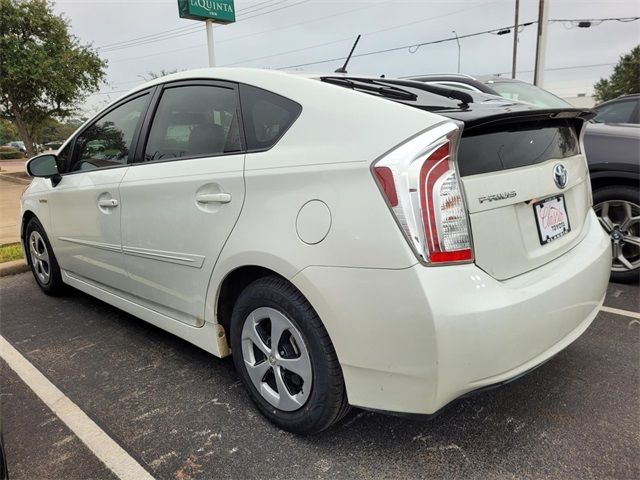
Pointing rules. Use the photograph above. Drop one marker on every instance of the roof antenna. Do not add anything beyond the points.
(343, 69)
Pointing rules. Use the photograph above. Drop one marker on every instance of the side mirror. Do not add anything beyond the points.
(43, 166)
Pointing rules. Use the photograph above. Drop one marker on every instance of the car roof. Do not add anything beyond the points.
(621, 97)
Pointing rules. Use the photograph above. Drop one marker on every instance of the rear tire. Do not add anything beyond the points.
(618, 209)
(297, 384)
(42, 260)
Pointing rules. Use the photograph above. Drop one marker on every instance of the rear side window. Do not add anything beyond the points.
(266, 116)
(617, 112)
(525, 145)
(194, 121)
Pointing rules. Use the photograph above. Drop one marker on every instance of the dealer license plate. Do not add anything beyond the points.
(551, 218)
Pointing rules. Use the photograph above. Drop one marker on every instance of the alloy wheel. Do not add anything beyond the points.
(39, 257)
(621, 220)
(276, 358)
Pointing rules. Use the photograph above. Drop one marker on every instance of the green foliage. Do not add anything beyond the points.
(624, 80)
(8, 131)
(9, 252)
(51, 130)
(46, 72)
(13, 154)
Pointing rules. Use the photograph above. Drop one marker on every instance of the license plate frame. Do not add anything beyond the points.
(552, 219)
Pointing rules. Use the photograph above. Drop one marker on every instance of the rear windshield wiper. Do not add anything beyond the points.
(454, 93)
(387, 91)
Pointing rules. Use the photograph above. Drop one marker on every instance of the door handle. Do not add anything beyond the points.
(108, 203)
(213, 197)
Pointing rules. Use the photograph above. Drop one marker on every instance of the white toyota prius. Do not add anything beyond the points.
(381, 243)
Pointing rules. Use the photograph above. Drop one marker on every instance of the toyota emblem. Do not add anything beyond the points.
(560, 175)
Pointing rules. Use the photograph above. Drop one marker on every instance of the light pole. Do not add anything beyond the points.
(515, 41)
(458, 41)
(541, 43)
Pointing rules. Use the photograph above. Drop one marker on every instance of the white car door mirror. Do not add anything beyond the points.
(43, 166)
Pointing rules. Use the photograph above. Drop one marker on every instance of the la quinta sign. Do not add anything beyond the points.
(219, 11)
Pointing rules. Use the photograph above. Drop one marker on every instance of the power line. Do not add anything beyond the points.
(412, 47)
(351, 37)
(183, 28)
(192, 29)
(279, 29)
(415, 46)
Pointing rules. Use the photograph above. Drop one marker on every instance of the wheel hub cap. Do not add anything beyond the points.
(276, 359)
(39, 257)
(621, 220)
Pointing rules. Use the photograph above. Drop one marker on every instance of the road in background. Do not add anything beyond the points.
(182, 413)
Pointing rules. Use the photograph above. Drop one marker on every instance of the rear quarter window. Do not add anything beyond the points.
(266, 116)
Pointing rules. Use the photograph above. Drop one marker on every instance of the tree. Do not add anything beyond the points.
(8, 131)
(624, 80)
(161, 73)
(44, 70)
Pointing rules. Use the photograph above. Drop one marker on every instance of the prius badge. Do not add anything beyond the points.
(560, 175)
(492, 197)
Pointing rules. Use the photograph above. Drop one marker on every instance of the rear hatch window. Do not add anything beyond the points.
(528, 143)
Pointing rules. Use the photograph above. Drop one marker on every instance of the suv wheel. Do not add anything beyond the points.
(285, 359)
(42, 261)
(618, 210)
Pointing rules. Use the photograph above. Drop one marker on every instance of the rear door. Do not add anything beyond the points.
(182, 198)
(528, 193)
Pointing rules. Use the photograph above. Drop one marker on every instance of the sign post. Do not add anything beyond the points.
(212, 53)
(211, 11)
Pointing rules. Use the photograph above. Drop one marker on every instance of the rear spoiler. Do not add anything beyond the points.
(509, 116)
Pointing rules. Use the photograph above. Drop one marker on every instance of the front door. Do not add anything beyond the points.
(179, 204)
(86, 205)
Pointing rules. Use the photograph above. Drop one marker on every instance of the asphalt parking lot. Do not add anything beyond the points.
(182, 413)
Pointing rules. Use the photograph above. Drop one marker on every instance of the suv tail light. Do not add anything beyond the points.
(420, 182)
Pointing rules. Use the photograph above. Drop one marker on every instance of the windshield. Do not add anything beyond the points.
(524, 92)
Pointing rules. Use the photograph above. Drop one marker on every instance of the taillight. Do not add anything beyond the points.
(421, 185)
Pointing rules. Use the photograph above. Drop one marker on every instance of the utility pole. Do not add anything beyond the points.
(541, 44)
(457, 40)
(515, 41)
(212, 54)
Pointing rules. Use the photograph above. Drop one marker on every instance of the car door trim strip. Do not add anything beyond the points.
(88, 243)
(186, 259)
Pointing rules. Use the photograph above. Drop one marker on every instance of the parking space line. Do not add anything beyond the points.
(101, 445)
(617, 311)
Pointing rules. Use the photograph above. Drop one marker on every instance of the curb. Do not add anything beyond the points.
(13, 268)
(12, 179)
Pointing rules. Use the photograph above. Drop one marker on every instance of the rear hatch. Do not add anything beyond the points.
(527, 189)
(522, 170)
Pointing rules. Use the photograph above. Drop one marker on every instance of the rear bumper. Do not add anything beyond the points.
(412, 340)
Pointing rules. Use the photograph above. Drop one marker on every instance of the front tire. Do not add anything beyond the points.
(42, 260)
(285, 358)
(618, 210)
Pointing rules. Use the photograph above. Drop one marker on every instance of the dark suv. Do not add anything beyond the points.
(621, 110)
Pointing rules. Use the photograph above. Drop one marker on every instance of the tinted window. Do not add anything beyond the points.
(266, 116)
(524, 92)
(461, 86)
(107, 143)
(194, 121)
(62, 158)
(527, 145)
(617, 112)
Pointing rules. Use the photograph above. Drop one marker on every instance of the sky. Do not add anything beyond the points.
(142, 36)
